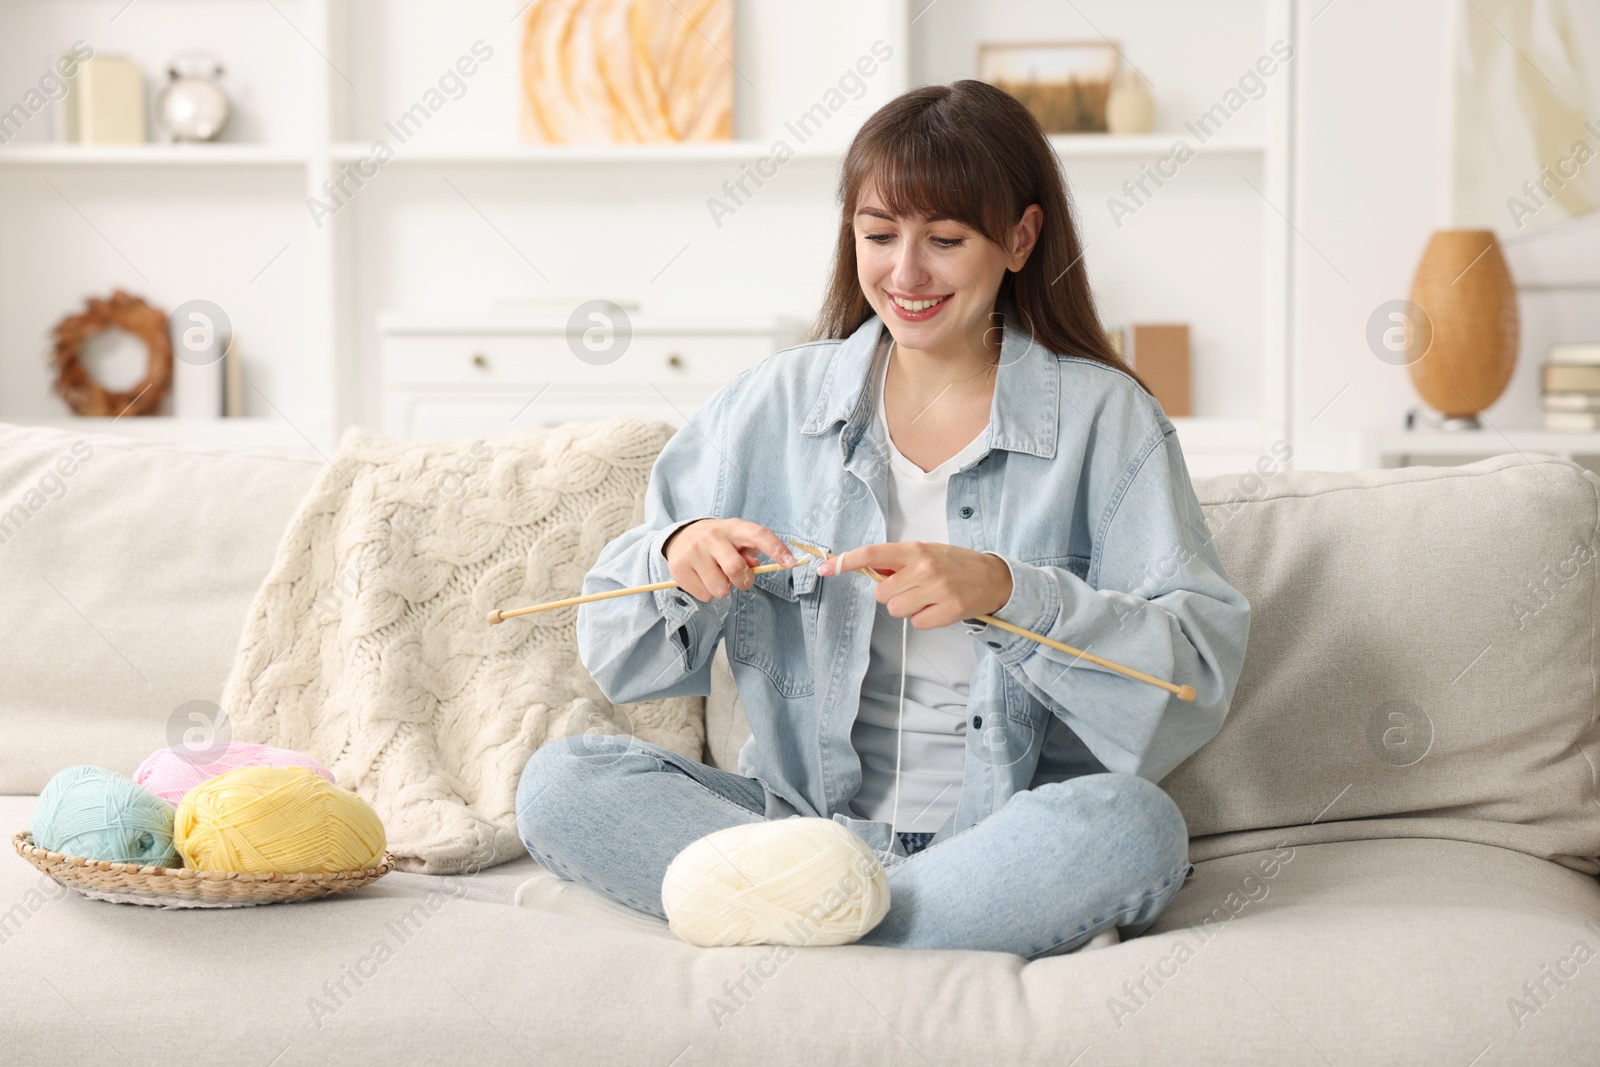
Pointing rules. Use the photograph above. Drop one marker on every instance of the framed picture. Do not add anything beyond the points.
(627, 71)
(1063, 83)
(1526, 115)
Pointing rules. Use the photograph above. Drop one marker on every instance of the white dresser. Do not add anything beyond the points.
(461, 376)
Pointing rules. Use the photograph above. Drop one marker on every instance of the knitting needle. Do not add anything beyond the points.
(499, 615)
(1182, 692)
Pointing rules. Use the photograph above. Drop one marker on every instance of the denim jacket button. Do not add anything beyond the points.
(966, 513)
(977, 722)
(992, 644)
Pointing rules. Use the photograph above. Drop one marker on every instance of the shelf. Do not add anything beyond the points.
(204, 155)
(1149, 144)
(673, 152)
(1487, 441)
(1387, 447)
(1070, 145)
(254, 434)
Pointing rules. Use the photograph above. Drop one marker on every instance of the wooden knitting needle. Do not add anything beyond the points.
(499, 615)
(1182, 692)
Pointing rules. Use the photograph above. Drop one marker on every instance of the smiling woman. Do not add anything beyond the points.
(959, 424)
(974, 166)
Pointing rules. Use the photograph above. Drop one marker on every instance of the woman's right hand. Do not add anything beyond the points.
(709, 558)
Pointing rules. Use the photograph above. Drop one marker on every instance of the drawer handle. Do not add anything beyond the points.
(480, 361)
(675, 361)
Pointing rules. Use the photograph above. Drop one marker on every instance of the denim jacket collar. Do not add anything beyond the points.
(1027, 395)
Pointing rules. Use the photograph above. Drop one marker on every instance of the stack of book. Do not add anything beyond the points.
(1571, 387)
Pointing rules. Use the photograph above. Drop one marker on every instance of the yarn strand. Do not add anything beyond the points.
(900, 724)
(900, 710)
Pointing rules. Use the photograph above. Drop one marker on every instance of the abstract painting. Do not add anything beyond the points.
(627, 71)
(1527, 114)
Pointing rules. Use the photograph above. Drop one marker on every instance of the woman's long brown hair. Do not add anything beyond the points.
(971, 152)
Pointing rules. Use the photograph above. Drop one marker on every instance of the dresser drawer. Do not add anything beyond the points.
(507, 359)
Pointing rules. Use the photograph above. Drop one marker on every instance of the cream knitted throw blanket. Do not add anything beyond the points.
(367, 646)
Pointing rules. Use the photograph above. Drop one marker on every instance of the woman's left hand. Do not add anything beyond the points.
(931, 584)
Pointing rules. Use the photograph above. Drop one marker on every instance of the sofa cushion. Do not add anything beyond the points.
(1421, 661)
(1362, 952)
(127, 568)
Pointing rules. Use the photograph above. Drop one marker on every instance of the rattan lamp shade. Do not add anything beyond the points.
(1465, 288)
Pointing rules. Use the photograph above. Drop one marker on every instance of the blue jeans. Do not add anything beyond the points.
(1052, 868)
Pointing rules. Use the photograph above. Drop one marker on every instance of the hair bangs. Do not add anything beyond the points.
(917, 175)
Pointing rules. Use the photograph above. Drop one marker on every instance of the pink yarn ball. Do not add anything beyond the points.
(170, 774)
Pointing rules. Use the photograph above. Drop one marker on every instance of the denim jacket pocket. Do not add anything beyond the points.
(779, 612)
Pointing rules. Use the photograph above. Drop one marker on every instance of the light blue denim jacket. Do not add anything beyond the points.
(1081, 489)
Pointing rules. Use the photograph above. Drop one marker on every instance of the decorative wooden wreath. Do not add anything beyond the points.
(77, 387)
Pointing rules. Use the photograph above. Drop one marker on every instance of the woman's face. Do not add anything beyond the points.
(948, 273)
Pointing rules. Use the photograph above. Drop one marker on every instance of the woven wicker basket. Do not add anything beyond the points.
(184, 887)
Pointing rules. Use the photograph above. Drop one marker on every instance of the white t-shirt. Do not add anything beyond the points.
(938, 671)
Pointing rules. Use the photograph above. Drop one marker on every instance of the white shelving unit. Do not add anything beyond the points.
(160, 155)
(541, 155)
(464, 218)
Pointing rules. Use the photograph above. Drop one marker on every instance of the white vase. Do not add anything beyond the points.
(1130, 108)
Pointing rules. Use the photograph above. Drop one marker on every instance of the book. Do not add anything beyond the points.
(1574, 353)
(232, 380)
(1572, 420)
(1570, 377)
(196, 389)
(1160, 355)
(65, 110)
(1572, 401)
(110, 97)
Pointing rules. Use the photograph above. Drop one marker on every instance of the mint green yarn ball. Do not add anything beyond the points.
(100, 815)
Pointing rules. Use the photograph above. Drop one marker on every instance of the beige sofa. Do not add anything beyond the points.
(1396, 832)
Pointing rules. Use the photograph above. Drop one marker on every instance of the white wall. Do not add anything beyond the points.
(1370, 169)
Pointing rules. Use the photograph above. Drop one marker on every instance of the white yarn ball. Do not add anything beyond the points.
(794, 881)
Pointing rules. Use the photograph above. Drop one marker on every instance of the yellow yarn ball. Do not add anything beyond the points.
(276, 820)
